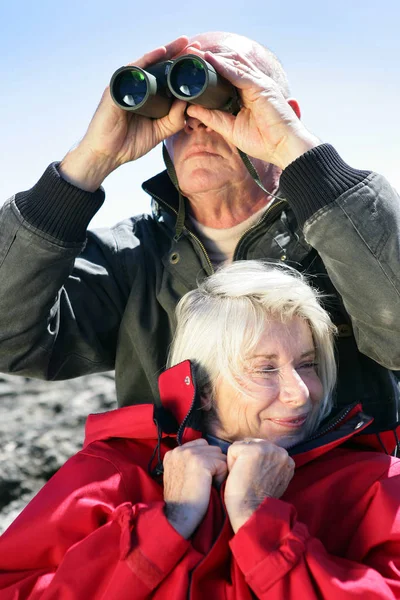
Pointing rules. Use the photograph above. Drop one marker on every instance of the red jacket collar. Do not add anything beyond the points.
(348, 424)
(176, 417)
(179, 397)
(180, 417)
(131, 422)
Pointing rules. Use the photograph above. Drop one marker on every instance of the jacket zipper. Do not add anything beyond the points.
(273, 206)
(262, 221)
(331, 425)
(183, 424)
(189, 232)
(203, 249)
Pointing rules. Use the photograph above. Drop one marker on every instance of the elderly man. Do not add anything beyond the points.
(75, 302)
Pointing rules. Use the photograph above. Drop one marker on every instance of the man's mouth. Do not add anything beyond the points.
(199, 152)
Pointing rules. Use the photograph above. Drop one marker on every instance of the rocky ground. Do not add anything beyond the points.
(41, 425)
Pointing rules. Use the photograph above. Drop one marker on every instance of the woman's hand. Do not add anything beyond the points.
(189, 471)
(257, 470)
(266, 126)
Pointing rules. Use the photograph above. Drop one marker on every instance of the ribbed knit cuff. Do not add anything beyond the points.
(58, 208)
(316, 179)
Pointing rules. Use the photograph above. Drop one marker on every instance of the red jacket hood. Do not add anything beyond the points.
(178, 417)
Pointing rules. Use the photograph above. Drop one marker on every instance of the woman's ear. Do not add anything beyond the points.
(206, 397)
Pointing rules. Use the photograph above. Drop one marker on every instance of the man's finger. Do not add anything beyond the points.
(171, 123)
(177, 46)
(241, 74)
(219, 121)
(161, 53)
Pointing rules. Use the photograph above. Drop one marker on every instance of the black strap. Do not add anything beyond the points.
(254, 173)
(180, 221)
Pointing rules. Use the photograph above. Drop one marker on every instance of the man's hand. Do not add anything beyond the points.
(257, 470)
(266, 126)
(116, 136)
(189, 471)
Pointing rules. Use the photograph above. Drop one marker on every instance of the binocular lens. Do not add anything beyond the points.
(188, 77)
(150, 92)
(130, 88)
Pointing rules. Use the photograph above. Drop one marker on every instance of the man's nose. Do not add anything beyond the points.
(193, 125)
(293, 390)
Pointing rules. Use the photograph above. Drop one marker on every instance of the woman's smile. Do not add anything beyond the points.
(289, 423)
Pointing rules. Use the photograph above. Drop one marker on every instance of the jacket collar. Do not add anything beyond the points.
(163, 191)
(179, 397)
(129, 422)
(348, 424)
(338, 430)
(180, 416)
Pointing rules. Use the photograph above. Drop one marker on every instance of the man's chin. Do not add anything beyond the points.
(201, 181)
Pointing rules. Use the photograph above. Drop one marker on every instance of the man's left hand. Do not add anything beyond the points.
(266, 126)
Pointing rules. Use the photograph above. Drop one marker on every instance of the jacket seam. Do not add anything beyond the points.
(85, 358)
(106, 460)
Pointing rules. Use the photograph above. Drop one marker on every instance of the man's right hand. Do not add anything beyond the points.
(189, 471)
(116, 136)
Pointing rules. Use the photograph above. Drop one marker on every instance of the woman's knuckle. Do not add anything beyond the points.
(282, 453)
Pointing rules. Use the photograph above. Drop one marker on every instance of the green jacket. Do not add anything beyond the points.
(74, 302)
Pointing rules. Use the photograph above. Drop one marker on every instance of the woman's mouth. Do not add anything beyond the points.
(293, 423)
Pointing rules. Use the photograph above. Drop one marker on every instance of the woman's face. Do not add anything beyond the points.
(281, 392)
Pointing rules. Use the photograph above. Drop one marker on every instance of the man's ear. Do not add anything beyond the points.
(295, 106)
(206, 397)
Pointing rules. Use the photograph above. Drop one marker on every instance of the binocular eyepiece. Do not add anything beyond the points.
(151, 92)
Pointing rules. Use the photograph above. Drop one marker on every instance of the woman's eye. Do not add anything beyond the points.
(265, 370)
(308, 365)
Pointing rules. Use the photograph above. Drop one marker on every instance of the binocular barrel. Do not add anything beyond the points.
(151, 92)
(144, 92)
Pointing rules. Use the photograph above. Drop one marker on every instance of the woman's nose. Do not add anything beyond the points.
(193, 125)
(293, 390)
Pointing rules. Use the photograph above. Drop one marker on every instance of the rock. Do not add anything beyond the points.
(41, 426)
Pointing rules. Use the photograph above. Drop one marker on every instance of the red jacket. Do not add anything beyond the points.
(97, 530)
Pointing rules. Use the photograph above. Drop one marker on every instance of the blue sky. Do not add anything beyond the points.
(342, 58)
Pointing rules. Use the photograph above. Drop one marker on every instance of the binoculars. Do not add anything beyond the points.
(151, 92)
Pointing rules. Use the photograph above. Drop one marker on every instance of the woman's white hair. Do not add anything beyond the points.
(220, 323)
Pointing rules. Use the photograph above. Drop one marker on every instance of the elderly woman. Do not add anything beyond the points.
(231, 489)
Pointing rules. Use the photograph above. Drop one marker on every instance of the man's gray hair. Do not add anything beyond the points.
(220, 323)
